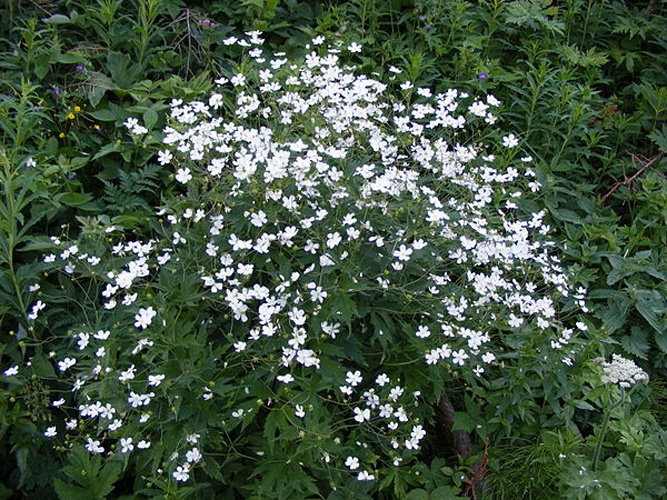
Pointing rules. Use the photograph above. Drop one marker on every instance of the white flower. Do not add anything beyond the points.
(10, 372)
(66, 363)
(126, 445)
(459, 357)
(362, 415)
(183, 175)
(488, 357)
(93, 446)
(238, 80)
(423, 332)
(182, 473)
(333, 240)
(102, 335)
(352, 463)
(127, 374)
(299, 411)
(193, 455)
(354, 47)
(143, 445)
(115, 425)
(155, 380)
(418, 432)
(50, 432)
(34, 312)
(510, 141)
(365, 476)
(403, 253)
(285, 379)
(144, 317)
(258, 219)
(164, 157)
(353, 378)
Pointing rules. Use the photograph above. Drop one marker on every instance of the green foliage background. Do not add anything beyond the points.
(584, 85)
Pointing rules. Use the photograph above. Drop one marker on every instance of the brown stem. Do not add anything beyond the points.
(628, 180)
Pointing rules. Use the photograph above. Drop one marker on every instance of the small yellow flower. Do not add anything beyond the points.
(77, 109)
(96, 126)
(70, 116)
(61, 135)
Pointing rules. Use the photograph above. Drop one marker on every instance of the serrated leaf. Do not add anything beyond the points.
(661, 341)
(636, 343)
(150, 118)
(652, 306)
(615, 314)
(659, 138)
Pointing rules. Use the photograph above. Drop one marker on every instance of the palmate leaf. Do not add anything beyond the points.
(284, 478)
(86, 478)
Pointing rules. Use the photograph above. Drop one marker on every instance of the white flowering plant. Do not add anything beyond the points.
(333, 252)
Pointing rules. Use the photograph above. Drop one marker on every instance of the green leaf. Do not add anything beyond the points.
(448, 492)
(104, 115)
(583, 405)
(636, 343)
(150, 118)
(86, 478)
(69, 58)
(661, 341)
(74, 199)
(114, 147)
(652, 306)
(659, 137)
(418, 494)
(123, 72)
(615, 314)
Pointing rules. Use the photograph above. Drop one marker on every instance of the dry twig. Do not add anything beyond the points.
(647, 164)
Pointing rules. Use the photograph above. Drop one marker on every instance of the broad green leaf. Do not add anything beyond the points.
(150, 118)
(636, 343)
(74, 199)
(418, 494)
(652, 306)
(615, 314)
(661, 341)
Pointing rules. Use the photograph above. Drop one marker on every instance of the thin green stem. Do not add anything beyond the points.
(12, 227)
(603, 429)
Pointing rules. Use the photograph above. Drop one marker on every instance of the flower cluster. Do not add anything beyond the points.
(623, 372)
(318, 227)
